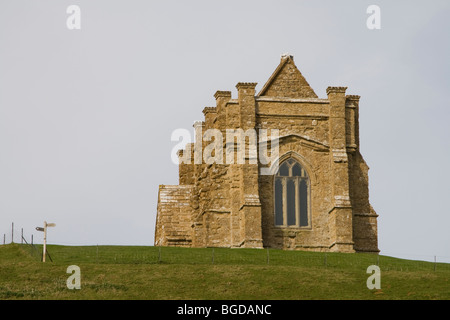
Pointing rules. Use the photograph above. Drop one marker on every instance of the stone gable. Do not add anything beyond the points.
(287, 81)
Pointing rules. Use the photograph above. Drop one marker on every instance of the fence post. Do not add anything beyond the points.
(325, 260)
(4, 238)
(12, 232)
(212, 255)
(267, 255)
(21, 236)
(159, 254)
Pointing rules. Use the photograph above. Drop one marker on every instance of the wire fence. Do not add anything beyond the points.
(217, 256)
(33, 250)
(221, 256)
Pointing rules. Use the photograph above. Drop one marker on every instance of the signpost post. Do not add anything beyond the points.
(44, 229)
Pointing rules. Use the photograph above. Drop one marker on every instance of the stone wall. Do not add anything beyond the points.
(174, 216)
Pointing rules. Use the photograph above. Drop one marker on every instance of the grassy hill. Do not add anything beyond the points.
(134, 272)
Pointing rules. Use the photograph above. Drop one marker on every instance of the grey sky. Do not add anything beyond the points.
(86, 115)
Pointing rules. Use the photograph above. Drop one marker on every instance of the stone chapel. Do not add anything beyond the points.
(316, 199)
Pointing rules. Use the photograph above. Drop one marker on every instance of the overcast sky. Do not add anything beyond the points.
(86, 115)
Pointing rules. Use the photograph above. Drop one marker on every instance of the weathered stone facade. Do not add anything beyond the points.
(233, 205)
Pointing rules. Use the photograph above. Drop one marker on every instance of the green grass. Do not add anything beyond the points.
(134, 272)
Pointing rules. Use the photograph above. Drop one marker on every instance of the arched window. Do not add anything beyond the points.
(291, 195)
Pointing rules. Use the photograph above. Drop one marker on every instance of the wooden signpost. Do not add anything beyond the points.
(44, 229)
